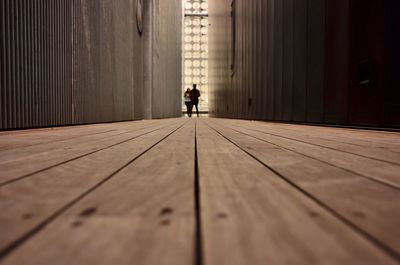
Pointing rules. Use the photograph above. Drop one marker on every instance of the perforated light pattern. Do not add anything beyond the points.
(195, 49)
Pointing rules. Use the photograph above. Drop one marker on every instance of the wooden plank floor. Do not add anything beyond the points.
(199, 191)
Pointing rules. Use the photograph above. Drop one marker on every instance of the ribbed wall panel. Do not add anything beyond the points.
(301, 60)
(81, 61)
(2, 63)
(35, 43)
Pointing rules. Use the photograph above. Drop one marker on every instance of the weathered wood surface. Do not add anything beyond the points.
(258, 218)
(263, 193)
(143, 214)
(363, 203)
(32, 201)
(25, 138)
(41, 157)
(382, 146)
(379, 170)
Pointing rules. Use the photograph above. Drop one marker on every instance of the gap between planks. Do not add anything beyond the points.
(40, 136)
(394, 157)
(381, 244)
(38, 227)
(251, 216)
(9, 178)
(382, 172)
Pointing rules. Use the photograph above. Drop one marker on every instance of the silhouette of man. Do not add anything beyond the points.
(194, 96)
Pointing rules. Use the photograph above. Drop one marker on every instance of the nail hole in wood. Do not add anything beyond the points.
(166, 211)
(88, 212)
(359, 214)
(222, 216)
(76, 224)
(27, 216)
(165, 222)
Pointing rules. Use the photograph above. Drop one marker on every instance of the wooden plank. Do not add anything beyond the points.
(350, 135)
(17, 139)
(371, 149)
(367, 205)
(29, 204)
(380, 145)
(355, 143)
(144, 214)
(24, 140)
(21, 163)
(383, 172)
(252, 216)
(42, 141)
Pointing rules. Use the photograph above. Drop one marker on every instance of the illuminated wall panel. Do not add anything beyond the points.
(195, 49)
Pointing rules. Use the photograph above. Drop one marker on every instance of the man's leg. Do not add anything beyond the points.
(197, 109)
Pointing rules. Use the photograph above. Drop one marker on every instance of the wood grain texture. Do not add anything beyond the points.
(144, 214)
(37, 158)
(251, 216)
(255, 193)
(339, 133)
(13, 141)
(381, 171)
(31, 201)
(367, 205)
(25, 138)
(371, 144)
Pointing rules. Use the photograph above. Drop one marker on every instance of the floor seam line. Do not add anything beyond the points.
(376, 242)
(72, 138)
(322, 146)
(5, 183)
(55, 141)
(24, 238)
(198, 257)
(321, 161)
(326, 125)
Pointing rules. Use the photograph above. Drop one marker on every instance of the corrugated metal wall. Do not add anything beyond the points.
(35, 63)
(278, 59)
(299, 60)
(392, 96)
(80, 61)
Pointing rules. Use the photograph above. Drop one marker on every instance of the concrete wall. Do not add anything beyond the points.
(299, 60)
(83, 61)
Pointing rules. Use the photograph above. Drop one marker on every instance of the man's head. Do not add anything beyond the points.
(194, 86)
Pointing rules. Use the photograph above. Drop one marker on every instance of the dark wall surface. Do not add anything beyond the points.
(81, 61)
(392, 63)
(322, 61)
